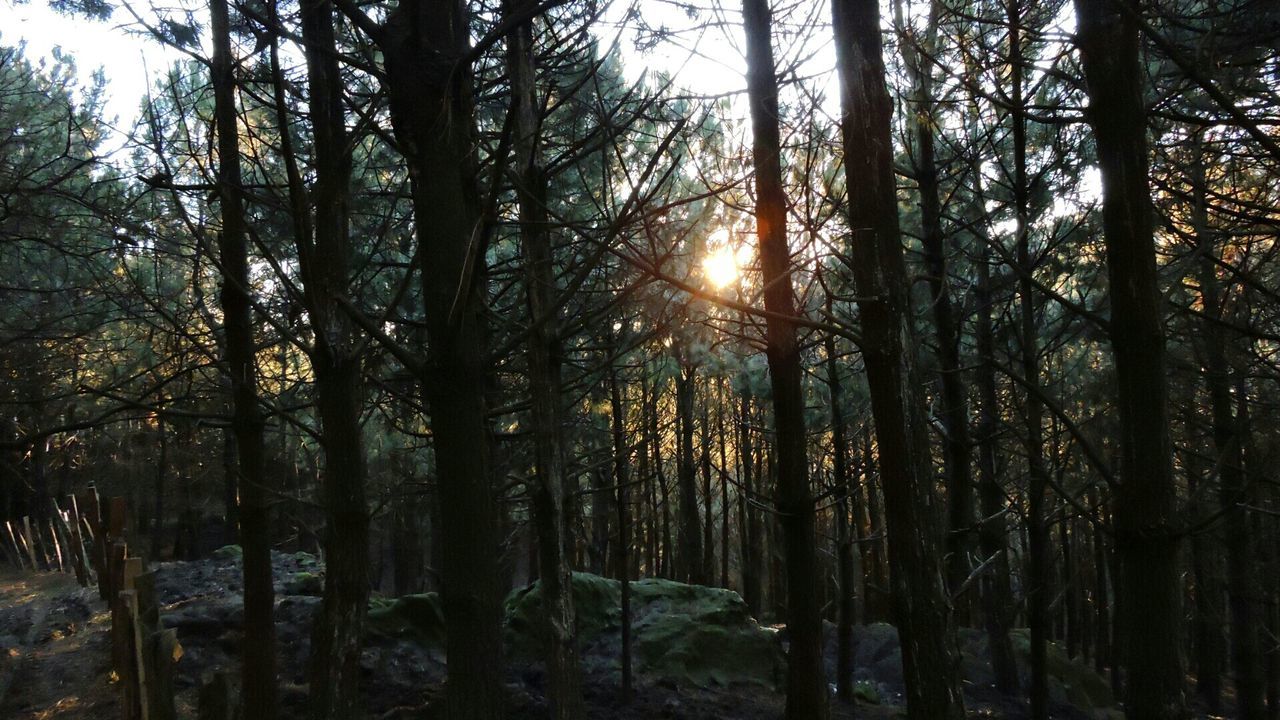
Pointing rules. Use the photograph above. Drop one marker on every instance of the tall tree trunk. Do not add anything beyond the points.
(324, 255)
(954, 411)
(162, 470)
(1234, 490)
(749, 535)
(1038, 583)
(1146, 499)
(548, 491)
(425, 44)
(258, 661)
(708, 517)
(998, 607)
(844, 543)
(806, 678)
(689, 566)
(724, 485)
(621, 468)
(1208, 642)
(921, 604)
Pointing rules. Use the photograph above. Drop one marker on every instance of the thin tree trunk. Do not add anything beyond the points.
(708, 517)
(1038, 583)
(844, 544)
(258, 668)
(1234, 491)
(993, 533)
(324, 255)
(750, 550)
(689, 566)
(621, 468)
(162, 470)
(806, 678)
(548, 491)
(954, 411)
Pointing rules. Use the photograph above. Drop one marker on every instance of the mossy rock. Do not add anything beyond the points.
(418, 618)
(304, 583)
(1081, 686)
(229, 552)
(597, 602)
(306, 559)
(701, 635)
(866, 692)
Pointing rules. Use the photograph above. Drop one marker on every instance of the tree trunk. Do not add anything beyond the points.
(324, 256)
(954, 410)
(806, 678)
(258, 669)
(548, 491)
(997, 595)
(1234, 491)
(921, 603)
(1146, 499)
(621, 468)
(749, 534)
(689, 566)
(428, 86)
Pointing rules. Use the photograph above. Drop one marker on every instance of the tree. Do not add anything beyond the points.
(922, 609)
(1146, 523)
(806, 679)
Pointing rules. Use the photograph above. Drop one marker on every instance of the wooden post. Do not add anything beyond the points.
(57, 546)
(77, 542)
(138, 654)
(122, 654)
(220, 697)
(17, 549)
(165, 654)
(29, 541)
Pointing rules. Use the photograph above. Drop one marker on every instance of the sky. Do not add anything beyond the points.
(126, 59)
(705, 60)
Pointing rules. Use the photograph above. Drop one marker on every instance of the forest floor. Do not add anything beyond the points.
(55, 650)
(55, 659)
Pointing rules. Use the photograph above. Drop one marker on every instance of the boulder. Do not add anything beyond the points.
(418, 618)
(693, 634)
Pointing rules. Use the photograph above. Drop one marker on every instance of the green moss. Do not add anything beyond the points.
(304, 583)
(229, 552)
(700, 635)
(866, 692)
(418, 618)
(1083, 688)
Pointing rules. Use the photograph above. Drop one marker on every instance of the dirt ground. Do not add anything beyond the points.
(54, 650)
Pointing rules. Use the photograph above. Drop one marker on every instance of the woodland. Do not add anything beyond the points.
(961, 316)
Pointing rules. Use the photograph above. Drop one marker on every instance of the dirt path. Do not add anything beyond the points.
(54, 650)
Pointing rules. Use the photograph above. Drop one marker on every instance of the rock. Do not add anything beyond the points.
(419, 618)
(303, 583)
(229, 552)
(683, 633)
(1070, 681)
(866, 692)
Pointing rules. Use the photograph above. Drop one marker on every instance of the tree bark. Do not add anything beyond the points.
(993, 533)
(621, 471)
(1146, 498)
(548, 491)
(258, 661)
(428, 84)
(689, 565)
(921, 603)
(806, 678)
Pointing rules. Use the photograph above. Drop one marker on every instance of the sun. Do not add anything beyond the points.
(720, 267)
